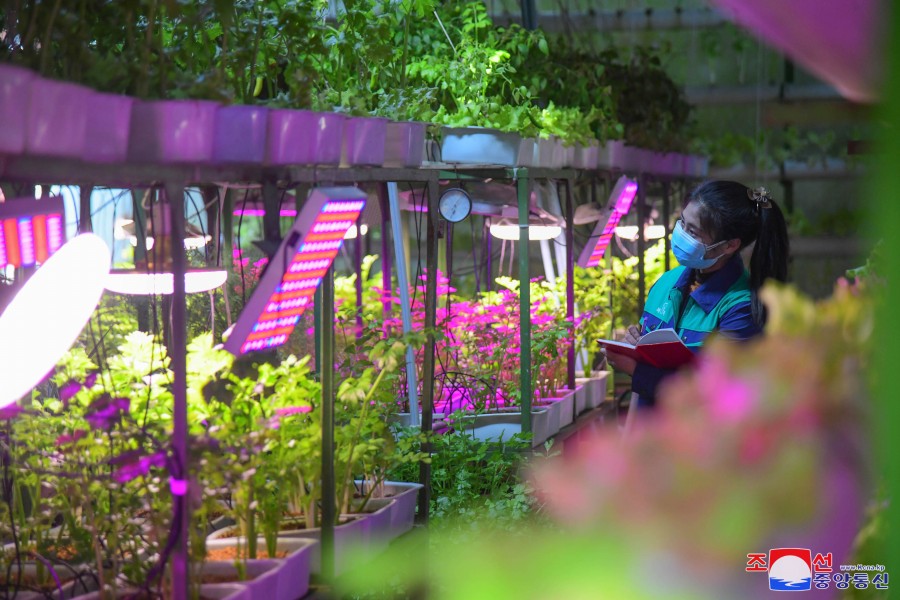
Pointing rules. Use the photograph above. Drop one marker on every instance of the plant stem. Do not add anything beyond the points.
(251, 83)
(362, 416)
(46, 45)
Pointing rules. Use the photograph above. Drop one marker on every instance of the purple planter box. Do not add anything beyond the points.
(14, 92)
(404, 144)
(625, 157)
(172, 131)
(293, 574)
(377, 524)
(108, 124)
(240, 134)
(304, 137)
(364, 141)
(406, 497)
(610, 153)
(57, 118)
(349, 539)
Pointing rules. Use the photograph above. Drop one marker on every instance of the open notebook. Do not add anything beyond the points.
(661, 348)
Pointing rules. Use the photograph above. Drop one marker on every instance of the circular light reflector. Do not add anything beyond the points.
(142, 283)
(48, 313)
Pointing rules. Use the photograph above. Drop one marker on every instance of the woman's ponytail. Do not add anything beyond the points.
(770, 254)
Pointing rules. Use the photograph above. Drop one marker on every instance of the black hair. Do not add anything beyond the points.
(727, 211)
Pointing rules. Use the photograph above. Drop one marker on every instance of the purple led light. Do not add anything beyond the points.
(54, 232)
(626, 198)
(3, 259)
(258, 212)
(26, 241)
(621, 199)
(179, 487)
(285, 291)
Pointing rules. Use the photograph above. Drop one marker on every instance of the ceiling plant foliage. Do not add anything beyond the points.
(441, 62)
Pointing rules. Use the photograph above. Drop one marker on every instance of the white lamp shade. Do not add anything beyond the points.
(48, 313)
(651, 232)
(535, 232)
(142, 283)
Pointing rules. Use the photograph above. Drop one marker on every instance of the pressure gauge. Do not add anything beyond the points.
(455, 205)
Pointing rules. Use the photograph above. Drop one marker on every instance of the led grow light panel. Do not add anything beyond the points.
(620, 202)
(287, 287)
(30, 231)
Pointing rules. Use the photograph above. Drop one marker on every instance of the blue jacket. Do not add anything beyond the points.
(723, 303)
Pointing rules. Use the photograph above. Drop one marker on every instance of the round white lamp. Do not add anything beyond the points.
(48, 313)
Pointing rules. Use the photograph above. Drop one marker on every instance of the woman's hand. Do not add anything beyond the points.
(620, 362)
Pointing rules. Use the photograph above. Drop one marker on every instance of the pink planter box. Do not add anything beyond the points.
(57, 118)
(609, 153)
(293, 574)
(108, 125)
(364, 141)
(304, 137)
(404, 144)
(14, 93)
(172, 131)
(240, 134)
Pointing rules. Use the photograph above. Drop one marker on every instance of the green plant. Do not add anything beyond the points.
(564, 76)
(96, 440)
(471, 479)
(569, 124)
(468, 62)
(366, 54)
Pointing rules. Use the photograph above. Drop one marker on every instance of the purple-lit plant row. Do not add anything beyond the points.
(91, 469)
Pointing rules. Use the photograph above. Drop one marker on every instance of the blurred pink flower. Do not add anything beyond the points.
(730, 399)
(292, 410)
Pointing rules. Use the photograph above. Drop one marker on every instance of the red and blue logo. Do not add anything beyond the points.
(790, 569)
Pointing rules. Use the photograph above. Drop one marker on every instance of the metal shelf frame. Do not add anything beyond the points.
(174, 178)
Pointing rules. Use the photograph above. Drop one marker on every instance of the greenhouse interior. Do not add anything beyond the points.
(368, 299)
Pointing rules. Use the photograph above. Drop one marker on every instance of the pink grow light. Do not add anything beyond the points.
(286, 288)
(30, 231)
(619, 204)
(259, 212)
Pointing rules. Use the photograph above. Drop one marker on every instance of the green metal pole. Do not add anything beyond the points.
(84, 217)
(427, 400)
(228, 232)
(523, 187)
(181, 564)
(641, 244)
(317, 327)
(570, 283)
(326, 368)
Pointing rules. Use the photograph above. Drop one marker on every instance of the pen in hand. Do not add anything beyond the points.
(632, 335)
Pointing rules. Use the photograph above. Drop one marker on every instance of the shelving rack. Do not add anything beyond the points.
(173, 179)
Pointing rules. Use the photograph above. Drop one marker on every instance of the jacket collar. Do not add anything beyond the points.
(711, 291)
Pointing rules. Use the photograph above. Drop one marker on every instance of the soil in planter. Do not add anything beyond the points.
(31, 583)
(287, 525)
(66, 553)
(230, 554)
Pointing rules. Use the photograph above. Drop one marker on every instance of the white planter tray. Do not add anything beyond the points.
(479, 146)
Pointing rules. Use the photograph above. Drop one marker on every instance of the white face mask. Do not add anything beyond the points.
(689, 251)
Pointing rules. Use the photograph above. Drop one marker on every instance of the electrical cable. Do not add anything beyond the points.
(8, 492)
(240, 251)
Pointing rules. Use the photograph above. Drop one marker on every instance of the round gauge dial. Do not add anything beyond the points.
(455, 205)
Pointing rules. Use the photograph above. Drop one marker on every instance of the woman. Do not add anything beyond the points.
(711, 290)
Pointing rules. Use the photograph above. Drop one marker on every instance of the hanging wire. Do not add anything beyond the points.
(758, 110)
(240, 251)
